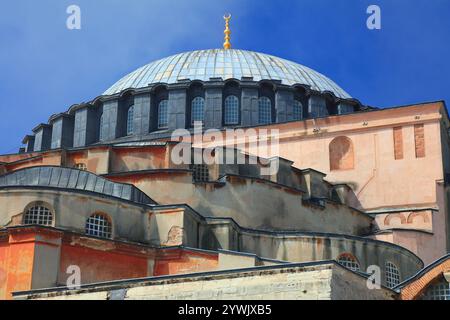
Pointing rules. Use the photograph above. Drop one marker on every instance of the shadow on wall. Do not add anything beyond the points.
(210, 241)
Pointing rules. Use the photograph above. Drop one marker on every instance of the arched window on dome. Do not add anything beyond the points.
(99, 225)
(341, 154)
(392, 275)
(102, 128)
(198, 110)
(231, 110)
(38, 214)
(298, 110)
(349, 261)
(130, 120)
(163, 114)
(264, 110)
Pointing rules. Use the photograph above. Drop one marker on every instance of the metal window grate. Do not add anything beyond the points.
(102, 128)
(198, 110)
(392, 275)
(81, 166)
(130, 121)
(438, 291)
(264, 110)
(231, 110)
(98, 225)
(200, 172)
(349, 262)
(38, 215)
(163, 117)
(298, 110)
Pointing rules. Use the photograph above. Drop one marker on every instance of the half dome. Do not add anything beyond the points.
(226, 64)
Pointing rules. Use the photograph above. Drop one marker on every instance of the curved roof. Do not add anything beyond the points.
(68, 178)
(225, 64)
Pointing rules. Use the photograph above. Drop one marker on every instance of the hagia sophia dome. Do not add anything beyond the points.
(228, 174)
(226, 64)
(221, 88)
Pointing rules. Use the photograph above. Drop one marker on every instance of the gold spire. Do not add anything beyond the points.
(227, 32)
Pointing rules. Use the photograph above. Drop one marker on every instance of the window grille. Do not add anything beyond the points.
(198, 110)
(298, 110)
(163, 114)
(231, 110)
(265, 110)
(130, 121)
(102, 128)
(200, 172)
(348, 261)
(81, 166)
(438, 291)
(392, 275)
(98, 225)
(38, 215)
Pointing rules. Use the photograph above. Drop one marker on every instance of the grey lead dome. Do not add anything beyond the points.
(226, 64)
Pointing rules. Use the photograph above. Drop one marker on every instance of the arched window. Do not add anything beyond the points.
(231, 113)
(438, 291)
(198, 110)
(392, 275)
(349, 261)
(99, 225)
(81, 166)
(341, 154)
(298, 110)
(130, 121)
(102, 128)
(264, 110)
(163, 114)
(38, 215)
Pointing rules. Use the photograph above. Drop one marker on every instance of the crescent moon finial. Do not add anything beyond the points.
(227, 32)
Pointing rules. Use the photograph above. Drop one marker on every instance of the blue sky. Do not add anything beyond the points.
(45, 68)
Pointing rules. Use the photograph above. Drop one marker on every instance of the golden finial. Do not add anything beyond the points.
(227, 32)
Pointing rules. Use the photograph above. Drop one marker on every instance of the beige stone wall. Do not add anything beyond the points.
(253, 204)
(324, 282)
(312, 285)
(429, 242)
(316, 248)
(416, 220)
(399, 158)
(96, 159)
(71, 211)
(168, 228)
(149, 158)
(425, 245)
(376, 176)
(228, 261)
(175, 226)
(348, 286)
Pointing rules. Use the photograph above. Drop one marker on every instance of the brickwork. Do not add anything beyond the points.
(419, 137)
(416, 288)
(398, 143)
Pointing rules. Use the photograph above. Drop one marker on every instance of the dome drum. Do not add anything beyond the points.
(105, 119)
